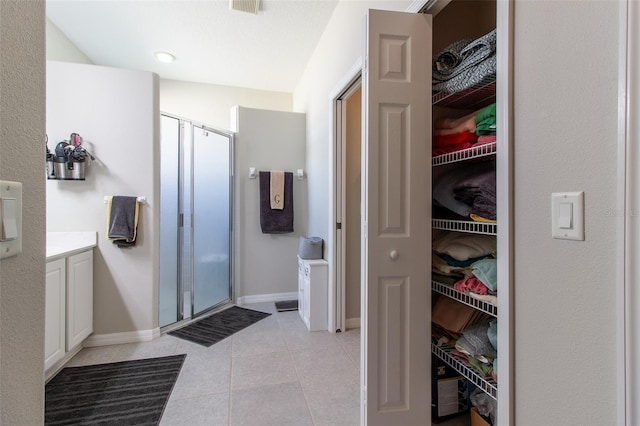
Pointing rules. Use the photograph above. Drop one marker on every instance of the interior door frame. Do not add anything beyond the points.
(336, 241)
(628, 209)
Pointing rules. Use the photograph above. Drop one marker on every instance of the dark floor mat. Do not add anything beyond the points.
(218, 326)
(119, 393)
(287, 305)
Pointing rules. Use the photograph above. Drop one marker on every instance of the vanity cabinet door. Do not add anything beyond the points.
(312, 293)
(79, 298)
(54, 327)
(301, 294)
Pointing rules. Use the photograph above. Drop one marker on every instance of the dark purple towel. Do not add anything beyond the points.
(479, 191)
(276, 221)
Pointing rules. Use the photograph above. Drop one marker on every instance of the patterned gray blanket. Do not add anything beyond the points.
(464, 64)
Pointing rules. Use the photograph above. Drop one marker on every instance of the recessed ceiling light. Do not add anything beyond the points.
(165, 57)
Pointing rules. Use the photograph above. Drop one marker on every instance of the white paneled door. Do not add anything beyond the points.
(396, 235)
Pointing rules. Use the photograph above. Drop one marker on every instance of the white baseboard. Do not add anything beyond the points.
(273, 297)
(120, 338)
(353, 323)
(53, 370)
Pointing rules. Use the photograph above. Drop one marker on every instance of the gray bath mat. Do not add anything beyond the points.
(287, 305)
(218, 326)
(119, 393)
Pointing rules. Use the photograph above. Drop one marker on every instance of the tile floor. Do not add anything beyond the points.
(273, 372)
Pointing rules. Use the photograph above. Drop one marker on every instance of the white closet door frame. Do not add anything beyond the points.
(628, 293)
(504, 210)
(504, 189)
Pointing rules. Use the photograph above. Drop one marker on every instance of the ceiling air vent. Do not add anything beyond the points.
(250, 6)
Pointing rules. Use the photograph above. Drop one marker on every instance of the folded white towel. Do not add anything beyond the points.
(277, 189)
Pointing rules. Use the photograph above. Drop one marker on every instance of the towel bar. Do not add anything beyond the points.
(140, 200)
(254, 174)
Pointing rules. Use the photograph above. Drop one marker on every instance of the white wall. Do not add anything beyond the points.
(565, 140)
(22, 114)
(60, 48)
(339, 48)
(267, 140)
(210, 104)
(116, 112)
(203, 103)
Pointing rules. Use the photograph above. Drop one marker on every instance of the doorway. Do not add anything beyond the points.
(195, 219)
(348, 149)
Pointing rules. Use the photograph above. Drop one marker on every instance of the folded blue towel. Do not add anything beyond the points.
(486, 270)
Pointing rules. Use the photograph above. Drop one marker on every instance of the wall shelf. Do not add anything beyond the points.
(488, 385)
(474, 97)
(449, 291)
(486, 228)
(474, 152)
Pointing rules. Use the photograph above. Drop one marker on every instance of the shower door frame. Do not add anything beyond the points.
(183, 317)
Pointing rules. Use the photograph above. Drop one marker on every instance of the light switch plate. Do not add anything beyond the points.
(11, 191)
(563, 204)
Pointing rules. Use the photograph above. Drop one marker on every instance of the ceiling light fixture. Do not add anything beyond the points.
(165, 57)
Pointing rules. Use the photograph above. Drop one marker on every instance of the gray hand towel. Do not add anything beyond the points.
(122, 219)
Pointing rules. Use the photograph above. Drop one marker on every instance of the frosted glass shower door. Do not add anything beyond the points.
(211, 218)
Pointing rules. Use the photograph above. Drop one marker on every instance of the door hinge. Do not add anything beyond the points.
(338, 225)
(181, 220)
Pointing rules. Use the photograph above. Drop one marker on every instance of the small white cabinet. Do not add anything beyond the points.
(312, 293)
(54, 342)
(68, 306)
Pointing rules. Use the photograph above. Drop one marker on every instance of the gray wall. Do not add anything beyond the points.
(267, 140)
(565, 110)
(22, 290)
(116, 112)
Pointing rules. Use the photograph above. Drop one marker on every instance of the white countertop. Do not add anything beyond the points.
(62, 244)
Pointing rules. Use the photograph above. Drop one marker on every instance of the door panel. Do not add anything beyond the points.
(396, 214)
(211, 219)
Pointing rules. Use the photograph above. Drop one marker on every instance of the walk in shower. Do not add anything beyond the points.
(195, 219)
